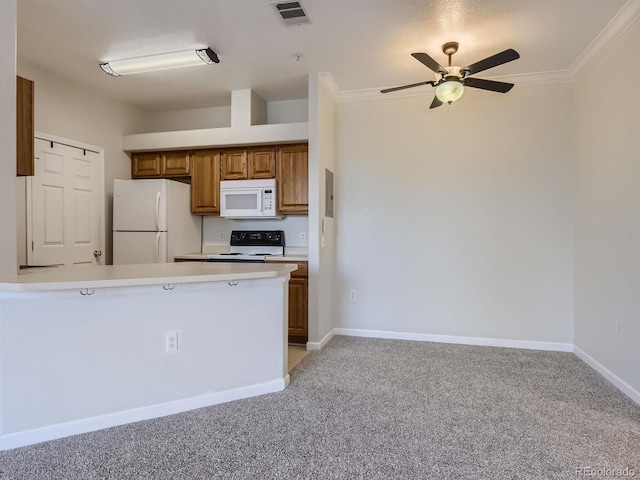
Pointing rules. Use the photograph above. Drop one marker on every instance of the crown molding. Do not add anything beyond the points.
(330, 86)
(627, 15)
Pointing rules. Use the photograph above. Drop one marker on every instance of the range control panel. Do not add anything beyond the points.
(257, 238)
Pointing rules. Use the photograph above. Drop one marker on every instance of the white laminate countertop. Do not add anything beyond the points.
(136, 275)
(272, 258)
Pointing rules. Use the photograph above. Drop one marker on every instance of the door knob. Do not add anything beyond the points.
(97, 253)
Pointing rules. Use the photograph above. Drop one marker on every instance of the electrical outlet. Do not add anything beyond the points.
(322, 241)
(172, 342)
(352, 295)
(615, 325)
(221, 235)
(303, 237)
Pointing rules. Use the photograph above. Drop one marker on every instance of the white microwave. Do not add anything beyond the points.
(248, 198)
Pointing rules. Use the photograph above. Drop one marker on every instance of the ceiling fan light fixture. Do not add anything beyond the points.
(449, 91)
(161, 61)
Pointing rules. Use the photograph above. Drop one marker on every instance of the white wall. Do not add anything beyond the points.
(458, 220)
(192, 119)
(288, 111)
(8, 260)
(322, 241)
(68, 110)
(607, 274)
(285, 111)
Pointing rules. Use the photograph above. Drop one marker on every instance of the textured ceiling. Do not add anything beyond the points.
(364, 44)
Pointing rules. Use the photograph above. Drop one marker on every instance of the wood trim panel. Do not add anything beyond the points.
(25, 130)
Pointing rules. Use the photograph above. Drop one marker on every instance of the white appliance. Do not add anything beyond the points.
(251, 246)
(248, 199)
(152, 221)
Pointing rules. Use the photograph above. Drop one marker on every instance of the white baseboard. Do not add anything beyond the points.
(623, 386)
(52, 432)
(319, 345)
(486, 342)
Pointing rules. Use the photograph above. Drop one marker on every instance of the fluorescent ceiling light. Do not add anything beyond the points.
(162, 61)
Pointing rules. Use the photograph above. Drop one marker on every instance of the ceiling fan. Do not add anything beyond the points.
(450, 81)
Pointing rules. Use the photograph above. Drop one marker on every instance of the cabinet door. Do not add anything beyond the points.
(145, 165)
(262, 162)
(293, 179)
(205, 182)
(234, 164)
(298, 310)
(175, 164)
(24, 126)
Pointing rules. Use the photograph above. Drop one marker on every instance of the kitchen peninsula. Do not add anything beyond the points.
(84, 348)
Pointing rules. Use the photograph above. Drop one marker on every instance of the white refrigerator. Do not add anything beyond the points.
(152, 221)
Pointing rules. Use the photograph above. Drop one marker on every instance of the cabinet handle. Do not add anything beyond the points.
(233, 283)
(86, 291)
(169, 286)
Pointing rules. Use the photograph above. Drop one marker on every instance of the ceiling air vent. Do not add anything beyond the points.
(292, 13)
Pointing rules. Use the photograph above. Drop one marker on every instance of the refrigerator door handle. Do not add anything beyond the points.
(158, 246)
(158, 210)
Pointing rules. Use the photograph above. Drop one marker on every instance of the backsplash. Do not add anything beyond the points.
(216, 230)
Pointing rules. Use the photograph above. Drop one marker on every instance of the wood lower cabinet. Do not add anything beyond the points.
(299, 305)
(298, 310)
(24, 127)
(205, 182)
(160, 164)
(293, 179)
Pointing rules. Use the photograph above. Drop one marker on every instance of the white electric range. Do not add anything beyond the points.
(251, 246)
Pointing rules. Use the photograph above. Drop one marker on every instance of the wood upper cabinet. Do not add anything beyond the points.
(205, 182)
(175, 164)
(248, 163)
(24, 127)
(234, 164)
(293, 179)
(160, 164)
(261, 162)
(145, 165)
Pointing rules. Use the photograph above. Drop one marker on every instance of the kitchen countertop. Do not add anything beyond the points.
(270, 259)
(65, 278)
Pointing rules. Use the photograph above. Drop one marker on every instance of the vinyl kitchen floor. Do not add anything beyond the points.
(296, 354)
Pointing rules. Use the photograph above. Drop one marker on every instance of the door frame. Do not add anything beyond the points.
(101, 205)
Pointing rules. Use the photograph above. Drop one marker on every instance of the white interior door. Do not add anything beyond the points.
(66, 193)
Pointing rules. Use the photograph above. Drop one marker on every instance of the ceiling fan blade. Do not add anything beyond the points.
(436, 103)
(430, 62)
(492, 85)
(490, 62)
(387, 90)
